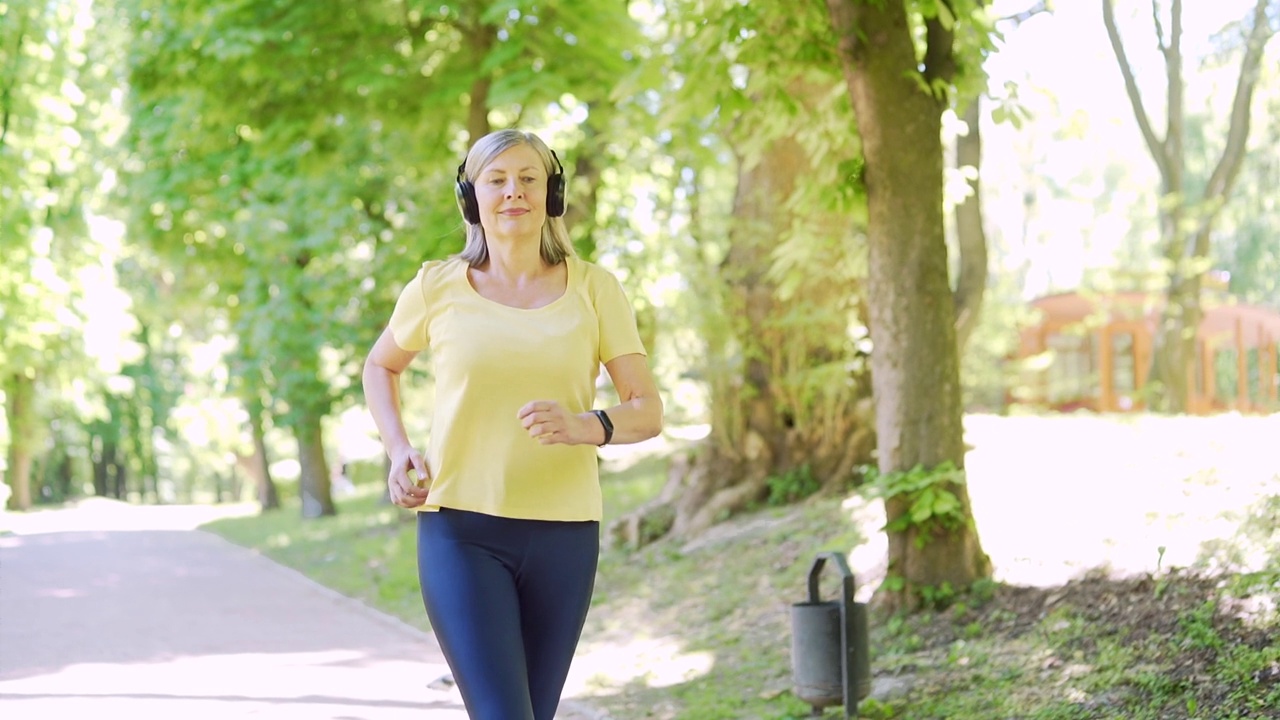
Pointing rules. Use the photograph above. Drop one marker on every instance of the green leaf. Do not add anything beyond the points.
(922, 509)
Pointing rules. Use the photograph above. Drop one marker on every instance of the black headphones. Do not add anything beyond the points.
(466, 192)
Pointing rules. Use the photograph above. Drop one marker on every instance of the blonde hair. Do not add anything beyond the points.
(555, 245)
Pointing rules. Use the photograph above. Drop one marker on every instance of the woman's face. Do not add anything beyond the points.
(511, 193)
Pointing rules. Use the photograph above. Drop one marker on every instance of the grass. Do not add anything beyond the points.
(700, 629)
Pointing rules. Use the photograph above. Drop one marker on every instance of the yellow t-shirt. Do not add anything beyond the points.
(489, 360)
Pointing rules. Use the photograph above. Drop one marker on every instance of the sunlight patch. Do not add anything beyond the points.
(656, 662)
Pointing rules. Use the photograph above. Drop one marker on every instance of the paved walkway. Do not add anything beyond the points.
(110, 611)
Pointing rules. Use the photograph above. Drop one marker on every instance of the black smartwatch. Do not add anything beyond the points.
(607, 423)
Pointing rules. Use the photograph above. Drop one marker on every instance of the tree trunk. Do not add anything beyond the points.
(1174, 348)
(236, 483)
(480, 40)
(149, 467)
(63, 476)
(107, 468)
(119, 478)
(787, 420)
(971, 283)
(99, 459)
(580, 216)
(259, 467)
(914, 365)
(19, 479)
(313, 480)
(20, 412)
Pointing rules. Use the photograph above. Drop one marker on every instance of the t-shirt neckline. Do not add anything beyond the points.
(568, 288)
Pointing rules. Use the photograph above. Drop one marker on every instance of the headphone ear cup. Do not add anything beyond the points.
(555, 195)
(467, 203)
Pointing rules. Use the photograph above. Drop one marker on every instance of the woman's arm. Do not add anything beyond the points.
(637, 417)
(381, 379)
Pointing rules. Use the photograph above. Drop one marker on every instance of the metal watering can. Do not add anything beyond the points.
(830, 662)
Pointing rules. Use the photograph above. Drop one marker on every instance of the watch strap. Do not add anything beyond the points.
(603, 417)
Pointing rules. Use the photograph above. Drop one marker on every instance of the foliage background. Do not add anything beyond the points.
(206, 210)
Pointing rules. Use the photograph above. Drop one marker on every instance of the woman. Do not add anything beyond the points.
(508, 492)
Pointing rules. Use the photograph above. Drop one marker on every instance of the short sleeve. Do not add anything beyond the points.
(409, 319)
(618, 332)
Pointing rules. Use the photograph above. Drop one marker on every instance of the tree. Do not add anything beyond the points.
(1249, 251)
(1186, 217)
(899, 93)
(47, 125)
(787, 411)
(778, 276)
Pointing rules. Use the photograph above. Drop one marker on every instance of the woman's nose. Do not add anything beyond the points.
(513, 188)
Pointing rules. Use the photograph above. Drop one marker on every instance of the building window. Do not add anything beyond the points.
(1070, 374)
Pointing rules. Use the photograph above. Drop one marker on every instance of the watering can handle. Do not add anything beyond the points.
(815, 572)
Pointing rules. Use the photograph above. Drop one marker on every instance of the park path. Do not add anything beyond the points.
(112, 611)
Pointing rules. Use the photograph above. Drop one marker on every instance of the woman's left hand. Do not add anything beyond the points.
(550, 424)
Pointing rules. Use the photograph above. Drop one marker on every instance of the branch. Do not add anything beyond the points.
(1228, 168)
(1158, 149)
(939, 53)
(7, 96)
(1175, 92)
(1155, 18)
(1025, 15)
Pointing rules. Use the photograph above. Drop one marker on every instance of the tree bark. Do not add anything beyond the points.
(62, 476)
(99, 458)
(258, 464)
(480, 39)
(914, 362)
(313, 479)
(20, 414)
(119, 480)
(1186, 225)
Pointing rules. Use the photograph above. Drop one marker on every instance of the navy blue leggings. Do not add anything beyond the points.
(507, 599)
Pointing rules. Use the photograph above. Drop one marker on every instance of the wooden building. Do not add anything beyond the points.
(1094, 351)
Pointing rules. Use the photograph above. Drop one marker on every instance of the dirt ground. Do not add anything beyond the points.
(1141, 615)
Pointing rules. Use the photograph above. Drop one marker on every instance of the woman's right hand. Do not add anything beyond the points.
(410, 479)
